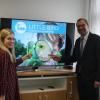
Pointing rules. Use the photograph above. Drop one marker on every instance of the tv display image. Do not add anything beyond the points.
(41, 38)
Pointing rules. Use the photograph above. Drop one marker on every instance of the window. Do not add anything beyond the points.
(94, 16)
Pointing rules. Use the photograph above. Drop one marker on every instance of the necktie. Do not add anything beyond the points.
(81, 46)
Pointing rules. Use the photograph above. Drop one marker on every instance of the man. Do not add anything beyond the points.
(88, 62)
(87, 54)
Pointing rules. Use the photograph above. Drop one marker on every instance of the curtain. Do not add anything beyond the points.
(94, 16)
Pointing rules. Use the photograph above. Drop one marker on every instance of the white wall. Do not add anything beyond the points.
(54, 10)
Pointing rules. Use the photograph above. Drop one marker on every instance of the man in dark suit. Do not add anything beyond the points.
(87, 55)
(88, 61)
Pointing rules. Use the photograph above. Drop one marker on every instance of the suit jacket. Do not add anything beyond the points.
(88, 65)
(67, 51)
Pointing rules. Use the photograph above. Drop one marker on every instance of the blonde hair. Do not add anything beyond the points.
(3, 34)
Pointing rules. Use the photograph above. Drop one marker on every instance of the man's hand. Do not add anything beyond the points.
(55, 57)
(96, 84)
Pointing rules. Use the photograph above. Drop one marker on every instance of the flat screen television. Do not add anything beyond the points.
(41, 38)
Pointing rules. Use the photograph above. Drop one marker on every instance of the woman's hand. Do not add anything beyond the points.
(2, 97)
(27, 56)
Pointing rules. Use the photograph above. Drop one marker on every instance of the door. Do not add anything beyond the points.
(31, 96)
(72, 92)
(55, 95)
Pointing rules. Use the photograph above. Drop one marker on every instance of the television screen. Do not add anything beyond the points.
(41, 38)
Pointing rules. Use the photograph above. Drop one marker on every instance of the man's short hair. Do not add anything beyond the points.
(80, 19)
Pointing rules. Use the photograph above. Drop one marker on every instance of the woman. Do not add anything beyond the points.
(8, 77)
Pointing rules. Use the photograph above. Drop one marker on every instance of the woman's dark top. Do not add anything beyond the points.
(8, 77)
